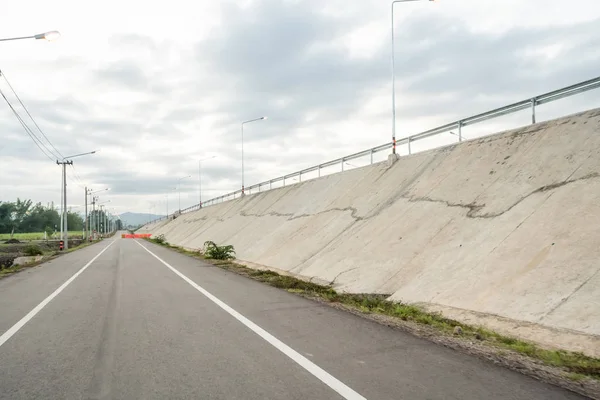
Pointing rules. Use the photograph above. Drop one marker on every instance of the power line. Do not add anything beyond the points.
(73, 181)
(27, 130)
(27, 111)
(76, 175)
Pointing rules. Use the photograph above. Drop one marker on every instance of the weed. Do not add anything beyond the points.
(160, 239)
(575, 376)
(32, 250)
(212, 251)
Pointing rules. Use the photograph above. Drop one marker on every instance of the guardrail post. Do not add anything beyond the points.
(533, 101)
(371, 156)
(319, 169)
(342, 165)
(284, 181)
(300, 177)
(460, 131)
(409, 145)
(270, 185)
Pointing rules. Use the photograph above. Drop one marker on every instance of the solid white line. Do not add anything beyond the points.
(15, 328)
(305, 363)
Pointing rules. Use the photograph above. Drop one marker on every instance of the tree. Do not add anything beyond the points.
(21, 208)
(21, 216)
(7, 210)
(74, 221)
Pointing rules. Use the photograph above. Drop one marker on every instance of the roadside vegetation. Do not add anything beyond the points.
(576, 366)
(214, 252)
(23, 216)
(12, 249)
(39, 236)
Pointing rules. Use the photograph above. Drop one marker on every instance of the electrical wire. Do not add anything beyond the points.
(30, 116)
(73, 180)
(28, 131)
(77, 177)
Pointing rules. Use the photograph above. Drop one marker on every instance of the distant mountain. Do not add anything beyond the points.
(136, 219)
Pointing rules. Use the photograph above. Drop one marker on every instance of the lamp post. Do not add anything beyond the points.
(49, 36)
(394, 79)
(102, 218)
(243, 123)
(87, 225)
(179, 188)
(167, 197)
(200, 179)
(64, 229)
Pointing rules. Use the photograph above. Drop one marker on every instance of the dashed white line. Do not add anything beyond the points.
(328, 379)
(15, 328)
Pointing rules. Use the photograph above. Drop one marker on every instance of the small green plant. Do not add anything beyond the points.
(160, 239)
(32, 250)
(212, 251)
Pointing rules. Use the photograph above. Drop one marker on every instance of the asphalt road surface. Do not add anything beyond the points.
(126, 319)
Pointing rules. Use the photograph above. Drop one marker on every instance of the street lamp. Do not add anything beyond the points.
(64, 229)
(394, 80)
(49, 36)
(167, 196)
(200, 179)
(179, 188)
(246, 122)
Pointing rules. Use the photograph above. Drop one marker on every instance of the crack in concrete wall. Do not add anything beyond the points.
(292, 216)
(473, 207)
(342, 273)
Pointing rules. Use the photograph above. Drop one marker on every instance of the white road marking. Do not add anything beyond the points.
(15, 328)
(335, 384)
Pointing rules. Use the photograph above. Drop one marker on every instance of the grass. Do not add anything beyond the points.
(36, 235)
(576, 365)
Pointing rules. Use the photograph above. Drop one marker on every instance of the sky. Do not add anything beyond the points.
(154, 87)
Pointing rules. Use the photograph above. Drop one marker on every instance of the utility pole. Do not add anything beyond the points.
(93, 215)
(65, 229)
(85, 229)
(100, 220)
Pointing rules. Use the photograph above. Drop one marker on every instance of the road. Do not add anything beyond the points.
(126, 319)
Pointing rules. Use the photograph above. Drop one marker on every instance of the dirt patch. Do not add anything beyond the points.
(6, 260)
(11, 241)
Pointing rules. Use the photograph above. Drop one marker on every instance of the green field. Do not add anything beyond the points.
(37, 235)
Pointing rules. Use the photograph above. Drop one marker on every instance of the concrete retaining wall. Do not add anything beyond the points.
(507, 226)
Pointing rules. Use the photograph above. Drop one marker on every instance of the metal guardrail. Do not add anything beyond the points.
(458, 125)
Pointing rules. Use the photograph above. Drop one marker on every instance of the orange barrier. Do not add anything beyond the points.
(135, 235)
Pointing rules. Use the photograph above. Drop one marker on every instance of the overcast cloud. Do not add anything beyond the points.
(156, 86)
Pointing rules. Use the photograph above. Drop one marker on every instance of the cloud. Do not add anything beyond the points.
(154, 105)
